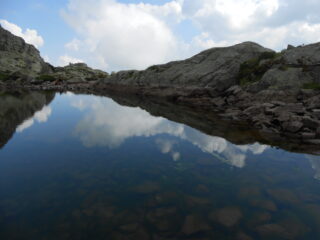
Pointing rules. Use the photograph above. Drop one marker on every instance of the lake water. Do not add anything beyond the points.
(85, 167)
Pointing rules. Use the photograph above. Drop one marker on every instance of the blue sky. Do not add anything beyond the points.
(125, 34)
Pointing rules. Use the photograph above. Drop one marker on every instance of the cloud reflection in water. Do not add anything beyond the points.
(108, 124)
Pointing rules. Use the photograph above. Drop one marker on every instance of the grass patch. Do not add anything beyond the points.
(314, 86)
(4, 76)
(46, 78)
(252, 71)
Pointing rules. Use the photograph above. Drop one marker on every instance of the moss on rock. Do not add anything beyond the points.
(46, 78)
(312, 85)
(4, 76)
(252, 70)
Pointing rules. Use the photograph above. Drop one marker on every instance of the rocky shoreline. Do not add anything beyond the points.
(275, 93)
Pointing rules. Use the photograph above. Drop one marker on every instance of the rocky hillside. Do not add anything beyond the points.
(19, 58)
(21, 63)
(248, 64)
(216, 67)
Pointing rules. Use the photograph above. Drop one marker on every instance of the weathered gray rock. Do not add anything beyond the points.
(307, 55)
(293, 126)
(308, 135)
(310, 123)
(194, 224)
(316, 113)
(281, 80)
(77, 73)
(228, 216)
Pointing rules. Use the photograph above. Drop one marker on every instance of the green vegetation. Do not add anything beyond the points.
(153, 68)
(46, 78)
(283, 68)
(4, 76)
(252, 70)
(156, 68)
(313, 85)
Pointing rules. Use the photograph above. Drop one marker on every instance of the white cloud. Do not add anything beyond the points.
(166, 146)
(43, 115)
(40, 116)
(29, 35)
(315, 164)
(26, 124)
(272, 23)
(73, 45)
(123, 36)
(66, 59)
(114, 36)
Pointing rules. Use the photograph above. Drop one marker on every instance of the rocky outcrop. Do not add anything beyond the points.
(214, 68)
(292, 69)
(19, 59)
(21, 64)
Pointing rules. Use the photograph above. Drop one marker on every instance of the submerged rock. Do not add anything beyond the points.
(273, 230)
(228, 216)
(194, 224)
(147, 187)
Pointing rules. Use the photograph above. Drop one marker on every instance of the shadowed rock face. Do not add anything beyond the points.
(18, 56)
(16, 107)
(21, 64)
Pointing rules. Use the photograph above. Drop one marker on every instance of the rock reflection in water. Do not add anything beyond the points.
(17, 110)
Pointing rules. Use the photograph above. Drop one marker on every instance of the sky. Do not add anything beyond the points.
(116, 35)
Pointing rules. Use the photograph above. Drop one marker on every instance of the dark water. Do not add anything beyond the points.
(85, 167)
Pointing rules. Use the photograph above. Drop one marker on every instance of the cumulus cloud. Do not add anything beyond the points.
(66, 59)
(315, 164)
(73, 45)
(272, 23)
(122, 36)
(166, 146)
(40, 116)
(113, 35)
(29, 35)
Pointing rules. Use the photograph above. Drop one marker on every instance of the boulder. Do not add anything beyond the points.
(310, 123)
(292, 126)
(228, 216)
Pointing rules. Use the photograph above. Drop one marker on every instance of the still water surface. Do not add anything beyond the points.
(85, 167)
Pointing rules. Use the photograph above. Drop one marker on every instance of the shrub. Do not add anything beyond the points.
(252, 71)
(46, 78)
(313, 85)
(4, 76)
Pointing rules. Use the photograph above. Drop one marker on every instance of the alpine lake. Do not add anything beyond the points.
(92, 167)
